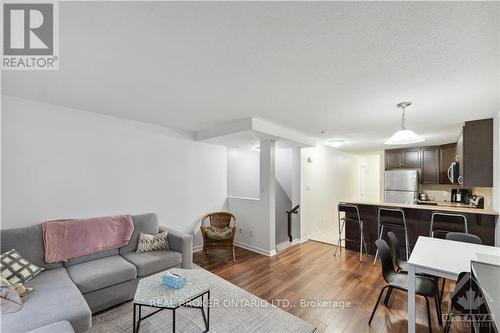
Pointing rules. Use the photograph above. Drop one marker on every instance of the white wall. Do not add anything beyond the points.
(296, 191)
(243, 173)
(64, 163)
(256, 217)
(284, 164)
(332, 176)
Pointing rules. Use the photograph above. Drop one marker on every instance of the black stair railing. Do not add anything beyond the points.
(294, 210)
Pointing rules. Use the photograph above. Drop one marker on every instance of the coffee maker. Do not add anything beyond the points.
(477, 201)
(460, 195)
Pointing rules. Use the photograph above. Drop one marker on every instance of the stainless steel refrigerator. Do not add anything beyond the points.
(401, 185)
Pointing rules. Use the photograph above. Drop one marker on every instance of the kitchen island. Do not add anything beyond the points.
(481, 222)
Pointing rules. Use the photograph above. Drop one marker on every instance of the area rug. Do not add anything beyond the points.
(233, 310)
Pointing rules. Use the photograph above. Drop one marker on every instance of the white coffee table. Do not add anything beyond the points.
(152, 293)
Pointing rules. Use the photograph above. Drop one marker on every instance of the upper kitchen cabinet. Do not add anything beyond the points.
(473, 151)
(402, 158)
(393, 158)
(430, 171)
(411, 158)
(476, 153)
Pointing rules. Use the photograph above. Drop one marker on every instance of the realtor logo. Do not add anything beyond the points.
(30, 36)
(467, 304)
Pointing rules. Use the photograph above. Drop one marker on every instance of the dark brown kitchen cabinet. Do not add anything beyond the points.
(477, 164)
(411, 158)
(402, 158)
(473, 151)
(448, 155)
(393, 158)
(460, 157)
(430, 165)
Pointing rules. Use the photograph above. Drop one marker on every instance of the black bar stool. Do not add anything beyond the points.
(389, 217)
(354, 210)
(448, 221)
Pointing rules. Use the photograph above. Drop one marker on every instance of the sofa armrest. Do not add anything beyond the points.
(182, 243)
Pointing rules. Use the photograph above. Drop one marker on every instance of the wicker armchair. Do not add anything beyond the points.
(218, 220)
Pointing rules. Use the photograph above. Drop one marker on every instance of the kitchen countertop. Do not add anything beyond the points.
(441, 206)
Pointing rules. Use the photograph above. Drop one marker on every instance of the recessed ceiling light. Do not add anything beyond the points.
(336, 143)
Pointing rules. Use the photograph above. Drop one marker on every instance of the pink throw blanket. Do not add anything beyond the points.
(66, 239)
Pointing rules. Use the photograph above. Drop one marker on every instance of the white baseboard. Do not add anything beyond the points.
(306, 238)
(256, 249)
(283, 245)
(246, 247)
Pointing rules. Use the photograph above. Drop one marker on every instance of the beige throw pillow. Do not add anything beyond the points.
(10, 301)
(22, 290)
(153, 242)
(219, 233)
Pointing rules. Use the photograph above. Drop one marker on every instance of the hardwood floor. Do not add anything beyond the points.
(309, 271)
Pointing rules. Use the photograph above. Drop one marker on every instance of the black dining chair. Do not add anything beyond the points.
(401, 264)
(424, 286)
(463, 237)
(459, 237)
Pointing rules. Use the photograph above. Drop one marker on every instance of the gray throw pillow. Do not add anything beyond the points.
(153, 242)
(16, 269)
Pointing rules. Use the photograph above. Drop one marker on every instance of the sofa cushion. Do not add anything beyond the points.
(153, 262)
(147, 223)
(57, 327)
(28, 242)
(97, 274)
(55, 298)
(89, 257)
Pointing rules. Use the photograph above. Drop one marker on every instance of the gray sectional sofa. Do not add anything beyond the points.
(73, 290)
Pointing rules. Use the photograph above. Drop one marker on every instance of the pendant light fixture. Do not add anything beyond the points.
(404, 136)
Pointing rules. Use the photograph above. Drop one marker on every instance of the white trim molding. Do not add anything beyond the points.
(255, 249)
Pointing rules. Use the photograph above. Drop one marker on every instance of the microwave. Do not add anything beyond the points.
(453, 173)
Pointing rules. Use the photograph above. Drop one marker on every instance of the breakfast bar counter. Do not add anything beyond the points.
(436, 206)
(481, 222)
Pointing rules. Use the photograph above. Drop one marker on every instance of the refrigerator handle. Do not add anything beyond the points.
(450, 170)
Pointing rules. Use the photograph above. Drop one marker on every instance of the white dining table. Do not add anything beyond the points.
(446, 259)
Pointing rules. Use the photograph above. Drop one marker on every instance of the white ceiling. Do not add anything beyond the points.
(333, 66)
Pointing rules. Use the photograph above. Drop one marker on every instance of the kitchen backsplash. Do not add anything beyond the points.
(443, 193)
